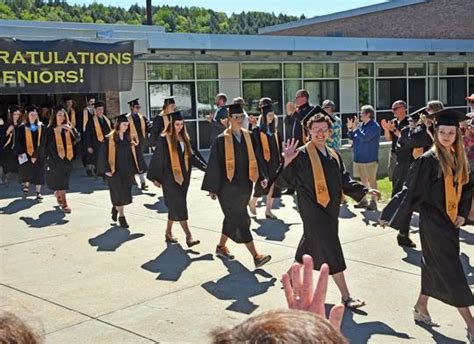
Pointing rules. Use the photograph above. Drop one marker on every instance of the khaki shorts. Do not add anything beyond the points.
(366, 170)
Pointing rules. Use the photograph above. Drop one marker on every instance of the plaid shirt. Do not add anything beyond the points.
(335, 140)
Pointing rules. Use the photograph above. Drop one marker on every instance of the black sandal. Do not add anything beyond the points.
(25, 190)
(192, 243)
(170, 239)
(353, 303)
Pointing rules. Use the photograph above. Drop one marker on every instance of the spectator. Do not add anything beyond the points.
(219, 119)
(365, 136)
(335, 140)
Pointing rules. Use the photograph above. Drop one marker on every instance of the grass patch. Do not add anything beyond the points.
(385, 187)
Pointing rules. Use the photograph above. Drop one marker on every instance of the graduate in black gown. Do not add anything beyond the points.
(311, 165)
(161, 121)
(268, 139)
(81, 126)
(438, 186)
(118, 163)
(31, 141)
(97, 128)
(412, 142)
(170, 168)
(234, 164)
(8, 143)
(59, 154)
(139, 130)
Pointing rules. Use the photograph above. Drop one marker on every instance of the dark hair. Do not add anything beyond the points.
(281, 326)
(14, 330)
(222, 96)
(11, 111)
(174, 135)
(264, 123)
(53, 120)
(319, 118)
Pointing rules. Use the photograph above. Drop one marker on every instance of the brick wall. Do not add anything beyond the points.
(113, 103)
(440, 19)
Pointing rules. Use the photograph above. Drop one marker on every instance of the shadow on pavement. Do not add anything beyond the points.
(466, 237)
(113, 238)
(413, 256)
(159, 206)
(273, 230)
(46, 219)
(172, 262)
(239, 286)
(18, 205)
(345, 212)
(370, 217)
(360, 333)
(438, 337)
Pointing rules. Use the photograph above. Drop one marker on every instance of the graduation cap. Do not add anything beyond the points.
(66, 98)
(316, 110)
(176, 116)
(169, 100)
(133, 102)
(265, 101)
(13, 108)
(449, 117)
(58, 108)
(31, 108)
(99, 104)
(234, 109)
(121, 118)
(415, 116)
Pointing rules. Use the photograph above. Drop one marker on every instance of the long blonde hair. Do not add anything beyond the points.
(457, 161)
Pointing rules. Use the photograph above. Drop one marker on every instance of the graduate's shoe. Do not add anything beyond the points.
(288, 192)
(65, 208)
(144, 187)
(123, 222)
(271, 216)
(25, 190)
(372, 206)
(423, 318)
(114, 213)
(192, 243)
(39, 196)
(362, 204)
(223, 251)
(405, 241)
(89, 172)
(171, 239)
(261, 259)
(352, 303)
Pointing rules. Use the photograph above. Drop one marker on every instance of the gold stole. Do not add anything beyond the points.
(452, 195)
(29, 140)
(73, 117)
(320, 186)
(166, 120)
(112, 151)
(266, 146)
(98, 129)
(68, 153)
(85, 118)
(417, 152)
(175, 164)
(133, 129)
(230, 158)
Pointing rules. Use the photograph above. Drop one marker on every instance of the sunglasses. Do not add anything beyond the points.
(237, 115)
(397, 107)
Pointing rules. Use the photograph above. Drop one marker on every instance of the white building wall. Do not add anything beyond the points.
(229, 79)
(348, 87)
(138, 90)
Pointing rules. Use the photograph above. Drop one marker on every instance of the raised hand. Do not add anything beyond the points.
(290, 150)
(264, 183)
(350, 123)
(302, 295)
(290, 108)
(376, 193)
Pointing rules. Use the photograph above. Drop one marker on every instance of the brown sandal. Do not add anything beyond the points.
(353, 303)
(192, 243)
(170, 239)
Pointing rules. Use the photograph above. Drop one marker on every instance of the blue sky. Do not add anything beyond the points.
(309, 8)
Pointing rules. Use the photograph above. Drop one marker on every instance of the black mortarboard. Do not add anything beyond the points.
(176, 116)
(263, 102)
(121, 118)
(99, 104)
(31, 108)
(169, 100)
(90, 96)
(66, 98)
(449, 117)
(415, 116)
(58, 108)
(234, 109)
(13, 108)
(314, 111)
(133, 102)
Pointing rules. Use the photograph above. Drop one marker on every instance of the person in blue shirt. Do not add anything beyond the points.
(365, 136)
(219, 119)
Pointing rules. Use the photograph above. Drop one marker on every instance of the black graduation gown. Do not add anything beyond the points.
(9, 151)
(143, 140)
(294, 129)
(158, 125)
(160, 171)
(233, 196)
(442, 275)
(32, 172)
(91, 140)
(272, 165)
(80, 129)
(58, 171)
(121, 182)
(320, 237)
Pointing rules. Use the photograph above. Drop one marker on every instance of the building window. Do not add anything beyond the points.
(261, 71)
(170, 71)
(206, 71)
(390, 90)
(390, 69)
(321, 90)
(254, 90)
(452, 91)
(320, 70)
(292, 70)
(366, 92)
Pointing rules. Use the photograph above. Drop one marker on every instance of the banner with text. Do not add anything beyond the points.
(64, 66)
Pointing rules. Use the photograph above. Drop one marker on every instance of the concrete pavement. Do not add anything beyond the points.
(80, 279)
